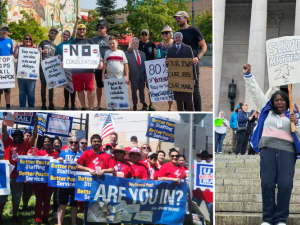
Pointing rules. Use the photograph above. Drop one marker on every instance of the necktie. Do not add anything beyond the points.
(178, 48)
(138, 58)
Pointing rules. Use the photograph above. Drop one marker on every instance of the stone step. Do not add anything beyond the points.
(225, 175)
(240, 218)
(233, 170)
(246, 190)
(246, 182)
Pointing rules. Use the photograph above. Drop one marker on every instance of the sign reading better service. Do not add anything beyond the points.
(62, 174)
(161, 128)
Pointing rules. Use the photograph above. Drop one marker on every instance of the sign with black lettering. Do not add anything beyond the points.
(54, 74)
(7, 73)
(180, 75)
(157, 76)
(28, 63)
(81, 56)
(116, 93)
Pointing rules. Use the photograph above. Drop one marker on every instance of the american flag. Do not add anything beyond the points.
(108, 127)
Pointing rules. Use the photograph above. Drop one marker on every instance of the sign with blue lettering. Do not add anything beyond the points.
(83, 186)
(62, 174)
(161, 128)
(25, 118)
(33, 168)
(204, 175)
(41, 123)
(4, 178)
(59, 125)
(116, 200)
(283, 58)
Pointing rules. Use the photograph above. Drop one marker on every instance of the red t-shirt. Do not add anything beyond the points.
(42, 152)
(153, 171)
(140, 171)
(158, 165)
(30, 151)
(168, 170)
(124, 167)
(92, 160)
(13, 150)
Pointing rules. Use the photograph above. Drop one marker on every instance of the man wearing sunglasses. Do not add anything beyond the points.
(6, 49)
(83, 144)
(192, 37)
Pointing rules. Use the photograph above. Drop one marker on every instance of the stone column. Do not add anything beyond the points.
(297, 18)
(219, 20)
(257, 45)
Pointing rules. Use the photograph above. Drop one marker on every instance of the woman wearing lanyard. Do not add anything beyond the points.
(42, 191)
(122, 167)
(145, 151)
(71, 154)
(151, 166)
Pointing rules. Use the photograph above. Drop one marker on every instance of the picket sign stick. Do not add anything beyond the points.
(157, 147)
(291, 105)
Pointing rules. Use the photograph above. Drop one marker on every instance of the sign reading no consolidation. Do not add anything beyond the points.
(180, 75)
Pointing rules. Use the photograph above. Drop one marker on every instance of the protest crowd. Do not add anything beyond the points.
(112, 68)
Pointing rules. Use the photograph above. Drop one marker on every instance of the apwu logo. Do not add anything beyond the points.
(205, 177)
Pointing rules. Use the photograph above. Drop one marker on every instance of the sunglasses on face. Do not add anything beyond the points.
(153, 157)
(83, 143)
(74, 142)
(174, 156)
(5, 30)
(178, 18)
(133, 140)
(27, 39)
(117, 151)
(146, 148)
(165, 33)
(144, 34)
(80, 29)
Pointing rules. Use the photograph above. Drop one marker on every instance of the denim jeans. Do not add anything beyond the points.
(219, 138)
(26, 88)
(276, 166)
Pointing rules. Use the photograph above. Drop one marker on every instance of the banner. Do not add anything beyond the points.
(204, 175)
(116, 93)
(81, 56)
(25, 118)
(83, 186)
(59, 125)
(161, 128)
(180, 75)
(28, 63)
(62, 174)
(157, 76)
(33, 168)
(4, 178)
(69, 85)
(283, 58)
(117, 200)
(7, 72)
(41, 124)
(54, 74)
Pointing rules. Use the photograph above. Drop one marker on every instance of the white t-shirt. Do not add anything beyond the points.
(115, 61)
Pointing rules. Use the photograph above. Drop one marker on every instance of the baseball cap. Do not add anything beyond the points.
(167, 28)
(102, 24)
(81, 26)
(145, 30)
(53, 29)
(151, 153)
(181, 13)
(4, 26)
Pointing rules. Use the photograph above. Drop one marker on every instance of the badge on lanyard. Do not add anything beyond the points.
(279, 122)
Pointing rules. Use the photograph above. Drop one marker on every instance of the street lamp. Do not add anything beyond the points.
(52, 17)
(232, 94)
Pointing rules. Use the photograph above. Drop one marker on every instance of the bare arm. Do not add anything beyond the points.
(103, 72)
(86, 169)
(170, 179)
(34, 133)
(126, 68)
(75, 27)
(203, 49)
(110, 170)
(16, 52)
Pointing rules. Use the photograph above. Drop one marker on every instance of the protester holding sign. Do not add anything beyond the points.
(278, 148)
(121, 166)
(220, 132)
(151, 166)
(13, 148)
(139, 169)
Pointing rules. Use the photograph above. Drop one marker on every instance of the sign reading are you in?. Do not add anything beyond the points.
(7, 73)
(180, 75)
(81, 56)
(28, 63)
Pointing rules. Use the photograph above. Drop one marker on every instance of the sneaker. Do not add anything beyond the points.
(151, 108)
(45, 221)
(134, 108)
(52, 107)
(15, 220)
(66, 107)
(145, 106)
(266, 223)
(73, 107)
(220, 153)
(43, 107)
(281, 223)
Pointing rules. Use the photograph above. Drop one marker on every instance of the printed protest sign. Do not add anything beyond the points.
(33, 168)
(7, 72)
(28, 63)
(69, 85)
(161, 128)
(62, 174)
(180, 75)
(54, 74)
(25, 118)
(83, 186)
(4, 178)
(116, 93)
(117, 200)
(283, 60)
(59, 125)
(204, 174)
(157, 76)
(81, 56)
(41, 124)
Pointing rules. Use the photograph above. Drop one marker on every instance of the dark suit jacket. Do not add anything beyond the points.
(136, 73)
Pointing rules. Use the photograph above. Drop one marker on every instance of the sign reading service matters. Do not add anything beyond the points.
(28, 63)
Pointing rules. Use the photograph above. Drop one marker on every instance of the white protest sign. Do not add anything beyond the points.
(69, 85)
(283, 56)
(4, 178)
(54, 74)
(7, 72)
(116, 93)
(81, 56)
(157, 75)
(28, 63)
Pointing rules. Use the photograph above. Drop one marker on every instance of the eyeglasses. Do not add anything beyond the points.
(74, 142)
(153, 157)
(174, 156)
(5, 30)
(83, 143)
(80, 29)
(118, 151)
(165, 33)
(133, 140)
(27, 39)
(144, 34)
(146, 148)
(178, 18)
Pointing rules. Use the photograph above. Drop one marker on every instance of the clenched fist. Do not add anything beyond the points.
(247, 68)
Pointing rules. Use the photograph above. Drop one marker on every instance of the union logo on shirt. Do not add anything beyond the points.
(177, 173)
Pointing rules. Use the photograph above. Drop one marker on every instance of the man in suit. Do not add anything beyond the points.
(137, 73)
(184, 100)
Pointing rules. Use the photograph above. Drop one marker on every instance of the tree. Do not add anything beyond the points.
(204, 24)
(153, 15)
(91, 23)
(27, 25)
(4, 12)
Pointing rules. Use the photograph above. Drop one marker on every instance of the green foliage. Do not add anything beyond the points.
(91, 25)
(28, 24)
(4, 12)
(204, 24)
(153, 15)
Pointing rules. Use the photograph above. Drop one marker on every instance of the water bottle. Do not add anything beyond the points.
(158, 54)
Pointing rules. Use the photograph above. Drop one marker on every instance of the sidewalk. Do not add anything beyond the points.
(206, 90)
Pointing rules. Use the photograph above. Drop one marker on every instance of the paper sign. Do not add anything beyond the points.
(83, 186)
(4, 178)
(62, 174)
(144, 216)
(157, 76)
(69, 85)
(204, 175)
(96, 214)
(59, 125)
(125, 216)
(132, 208)
(9, 119)
(7, 72)
(28, 63)
(218, 122)
(116, 93)
(81, 56)
(283, 60)
(1, 148)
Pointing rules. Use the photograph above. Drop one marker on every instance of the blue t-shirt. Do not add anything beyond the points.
(6, 47)
(60, 47)
(68, 154)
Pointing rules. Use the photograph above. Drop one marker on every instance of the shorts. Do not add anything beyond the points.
(83, 81)
(16, 189)
(98, 78)
(7, 91)
(63, 195)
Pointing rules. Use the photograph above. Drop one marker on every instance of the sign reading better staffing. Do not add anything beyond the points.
(62, 174)
(161, 128)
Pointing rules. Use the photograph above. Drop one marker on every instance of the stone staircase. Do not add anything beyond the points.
(238, 198)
